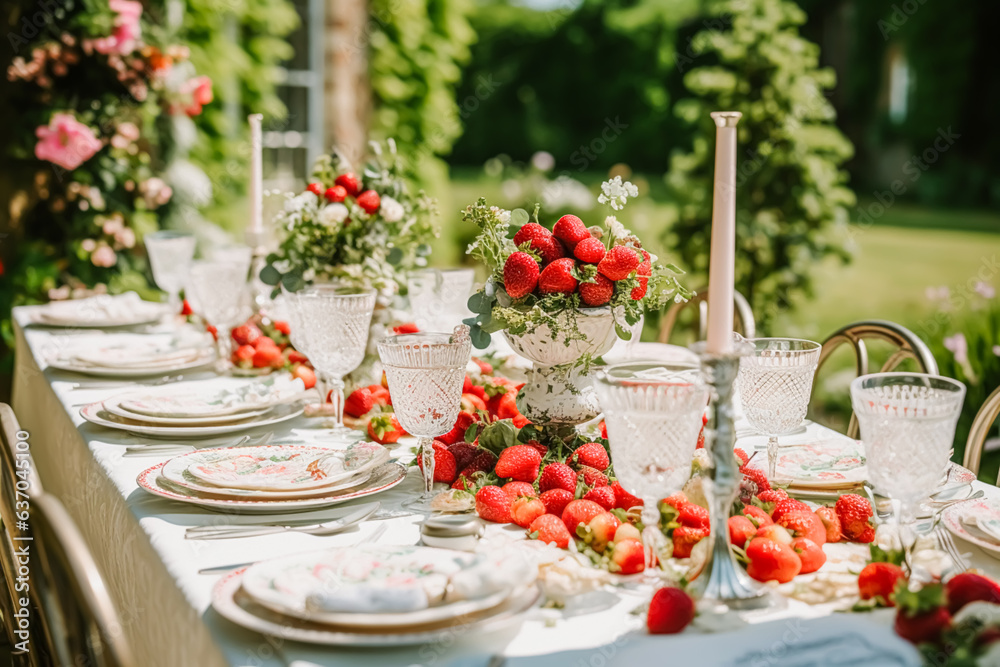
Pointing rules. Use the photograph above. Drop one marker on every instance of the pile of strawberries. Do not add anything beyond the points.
(571, 259)
(347, 185)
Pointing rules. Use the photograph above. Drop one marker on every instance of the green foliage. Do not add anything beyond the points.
(792, 199)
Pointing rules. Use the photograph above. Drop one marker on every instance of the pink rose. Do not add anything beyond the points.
(104, 256)
(127, 32)
(65, 141)
(200, 90)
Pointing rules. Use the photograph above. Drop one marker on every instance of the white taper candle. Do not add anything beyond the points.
(722, 261)
(256, 226)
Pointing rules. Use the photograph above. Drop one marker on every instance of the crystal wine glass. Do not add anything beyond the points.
(439, 298)
(653, 412)
(170, 255)
(219, 287)
(775, 383)
(907, 423)
(329, 324)
(425, 373)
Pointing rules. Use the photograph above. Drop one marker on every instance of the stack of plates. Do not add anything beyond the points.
(274, 478)
(132, 355)
(378, 595)
(102, 311)
(200, 409)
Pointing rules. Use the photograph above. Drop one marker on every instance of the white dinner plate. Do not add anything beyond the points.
(382, 479)
(213, 398)
(132, 371)
(964, 519)
(104, 311)
(96, 414)
(232, 603)
(113, 405)
(285, 584)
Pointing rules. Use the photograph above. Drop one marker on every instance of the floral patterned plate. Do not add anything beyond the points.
(96, 414)
(233, 603)
(274, 468)
(211, 399)
(836, 463)
(971, 521)
(383, 478)
(382, 586)
(113, 405)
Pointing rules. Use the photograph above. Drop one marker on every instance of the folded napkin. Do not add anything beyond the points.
(181, 402)
(104, 307)
(369, 600)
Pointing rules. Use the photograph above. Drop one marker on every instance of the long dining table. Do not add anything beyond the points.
(151, 570)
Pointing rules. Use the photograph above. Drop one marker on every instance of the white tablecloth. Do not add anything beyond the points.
(152, 571)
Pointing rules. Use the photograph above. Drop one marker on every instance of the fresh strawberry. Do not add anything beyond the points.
(757, 516)
(556, 500)
(406, 328)
(772, 561)
(670, 611)
(619, 262)
(921, 615)
(484, 367)
(538, 447)
(263, 341)
(385, 429)
(590, 454)
(603, 496)
(601, 531)
(186, 308)
(519, 462)
(557, 277)
(210, 328)
(557, 476)
(520, 275)
(283, 327)
(245, 334)
(592, 477)
(855, 515)
(349, 182)
(268, 357)
(589, 250)
(676, 500)
(741, 456)
(472, 403)
(336, 194)
(306, 374)
(484, 462)
(525, 509)
(642, 273)
(603, 426)
(445, 468)
(457, 433)
(628, 556)
(757, 476)
(741, 530)
(775, 533)
(315, 188)
(296, 357)
(507, 406)
(516, 489)
(878, 582)
(492, 504)
(550, 529)
(359, 403)
(637, 293)
(968, 587)
(570, 230)
(369, 201)
(627, 531)
(580, 511)
(772, 496)
(831, 522)
(541, 240)
(810, 554)
(804, 524)
(243, 356)
(786, 505)
(693, 516)
(685, 537)
(463, 452)
(597, 293)
(701, 433)
(623, 499)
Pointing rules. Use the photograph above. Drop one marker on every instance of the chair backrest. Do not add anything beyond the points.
(84, 623)
(987, 414)
(908, 344)
(743, 319)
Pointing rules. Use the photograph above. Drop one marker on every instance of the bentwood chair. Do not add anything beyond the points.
(980, 429)
(76, 603)
(908, 346)
(743, 319)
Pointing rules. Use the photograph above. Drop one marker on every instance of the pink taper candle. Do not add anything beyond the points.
(256, 226)
(722, 261)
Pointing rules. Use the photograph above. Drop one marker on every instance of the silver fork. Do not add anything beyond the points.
(160, 450)
(946, 544)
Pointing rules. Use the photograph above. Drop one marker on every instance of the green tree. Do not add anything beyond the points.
(792, 199)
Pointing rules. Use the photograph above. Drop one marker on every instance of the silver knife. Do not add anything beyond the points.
(332, 525)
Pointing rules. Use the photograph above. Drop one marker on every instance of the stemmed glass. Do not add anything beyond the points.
(329, 324)
(438, 298)
(425, 373)
(170, 255)
(907, 425)
(653, 412)
(775, 383)
(219, 287)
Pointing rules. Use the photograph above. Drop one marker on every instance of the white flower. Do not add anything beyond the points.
(616, 228)
(305, 200)
(392, 210)
(333, 214)
(617, 193)
(502, 214)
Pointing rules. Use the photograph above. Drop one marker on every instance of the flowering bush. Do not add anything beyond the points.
(537, 274)
(368, 228)
(88, 119)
